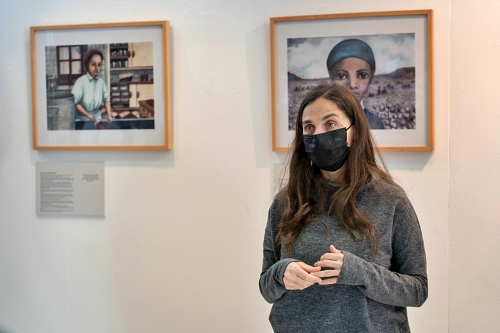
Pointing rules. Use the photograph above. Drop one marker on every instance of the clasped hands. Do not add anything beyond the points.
(299, 275)
(92, 118)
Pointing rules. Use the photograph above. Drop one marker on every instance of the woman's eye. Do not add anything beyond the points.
(340, 76)
(308, 128)
(363, 75)
(330, 125)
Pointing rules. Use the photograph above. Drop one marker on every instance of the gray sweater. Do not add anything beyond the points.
(372, 292)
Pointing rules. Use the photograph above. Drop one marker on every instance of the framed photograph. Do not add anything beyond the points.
(384, 57)
(101, 86)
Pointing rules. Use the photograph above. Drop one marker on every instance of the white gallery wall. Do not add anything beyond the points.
(474, 167)
(180, 247)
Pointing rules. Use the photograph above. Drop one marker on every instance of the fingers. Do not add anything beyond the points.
(334, 250)
(332, 256)
(328, 276)
(291, 285)
(330, 260)
(308, 268)
(329, 281)
(333, 262)
(302, 273)
(297, 276)
(327, 273)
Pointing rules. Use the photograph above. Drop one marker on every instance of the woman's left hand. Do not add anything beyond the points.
(333, 261)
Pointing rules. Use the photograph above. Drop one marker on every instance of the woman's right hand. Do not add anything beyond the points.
(82, 110)
(297, 276)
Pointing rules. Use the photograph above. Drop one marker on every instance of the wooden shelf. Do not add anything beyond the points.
(129, 68)
(125, 109)
(124, 83)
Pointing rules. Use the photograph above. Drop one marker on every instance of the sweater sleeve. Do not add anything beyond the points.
(404, 283)
(271, 279)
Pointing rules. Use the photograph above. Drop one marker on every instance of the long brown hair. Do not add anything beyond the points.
(308, 193)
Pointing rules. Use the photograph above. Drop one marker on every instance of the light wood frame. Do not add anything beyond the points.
(159, 138)
(350, 25)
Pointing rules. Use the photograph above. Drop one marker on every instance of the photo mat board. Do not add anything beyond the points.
(134, 79)
(398, 98)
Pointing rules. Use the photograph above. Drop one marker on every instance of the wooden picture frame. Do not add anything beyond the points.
(399, 93)
(132, 87)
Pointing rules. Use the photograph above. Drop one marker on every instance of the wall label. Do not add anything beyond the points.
(70, 189)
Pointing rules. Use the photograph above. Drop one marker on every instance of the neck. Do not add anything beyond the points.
(334, 176)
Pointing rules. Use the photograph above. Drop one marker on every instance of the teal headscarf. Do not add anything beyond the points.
(350, 48)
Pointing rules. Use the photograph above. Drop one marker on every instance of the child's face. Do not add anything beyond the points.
(354, 73)
(94, 66)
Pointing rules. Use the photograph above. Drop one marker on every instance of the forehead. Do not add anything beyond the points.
(96, 58)
(352, 63)
(321, 108)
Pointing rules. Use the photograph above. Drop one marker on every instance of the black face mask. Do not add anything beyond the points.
(329, 150)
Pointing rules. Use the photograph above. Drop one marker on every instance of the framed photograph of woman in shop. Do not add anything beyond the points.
(385, 58)
(101, 86)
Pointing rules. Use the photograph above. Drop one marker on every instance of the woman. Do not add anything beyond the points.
(352, 63)
(91, 92)
(343, 249)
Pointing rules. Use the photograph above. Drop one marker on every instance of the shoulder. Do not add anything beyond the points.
(79, 85)
(278, 203)
(373, 120)
(81, 81)
(387, 188)
(383, 193)
(276, 209)
(394, 199)
(387, 206)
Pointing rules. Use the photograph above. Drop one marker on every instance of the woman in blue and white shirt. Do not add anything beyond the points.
(90, 91)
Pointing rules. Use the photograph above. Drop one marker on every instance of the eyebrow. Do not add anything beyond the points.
(322, 119)
(346, 71)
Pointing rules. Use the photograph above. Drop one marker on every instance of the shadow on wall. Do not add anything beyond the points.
(3, 330)
(406, 160)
